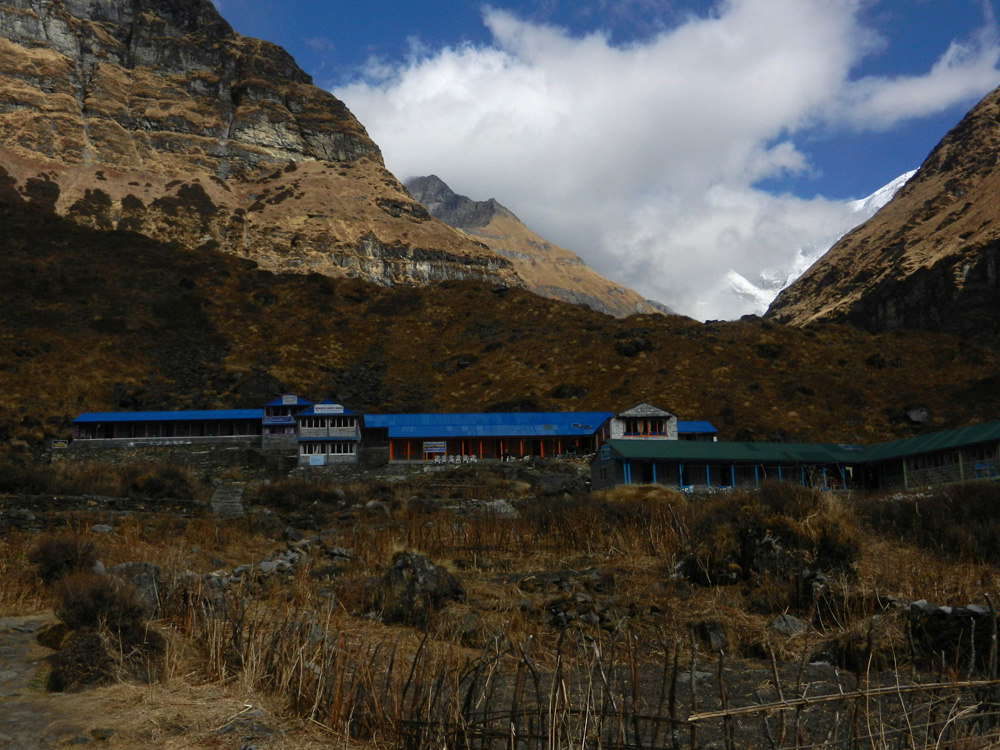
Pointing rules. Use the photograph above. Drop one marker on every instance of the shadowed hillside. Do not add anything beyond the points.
(113, 320)
(929, 259)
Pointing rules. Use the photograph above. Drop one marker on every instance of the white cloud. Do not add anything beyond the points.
(643, 158)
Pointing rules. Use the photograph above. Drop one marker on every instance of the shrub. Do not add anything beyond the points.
(83, 660)
(109, 636)
(162, 481)
(59, 555)
(299, 494)
(15, 477)
(775, 531)
(961, 520)
(88, 600)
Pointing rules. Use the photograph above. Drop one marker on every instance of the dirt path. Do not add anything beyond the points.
(176, 715)
(31, 718)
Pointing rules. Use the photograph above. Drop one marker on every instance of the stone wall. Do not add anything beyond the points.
(202, 458)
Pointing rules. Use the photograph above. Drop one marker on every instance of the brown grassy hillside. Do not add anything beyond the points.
(929, 259)
(113, 320)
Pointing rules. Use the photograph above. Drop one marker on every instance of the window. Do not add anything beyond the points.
(645, 427)
(327, 449)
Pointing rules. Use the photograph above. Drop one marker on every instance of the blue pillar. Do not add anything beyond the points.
(756, 475)
(824, 478)
(628, 472)
(654, 472)
(680, 475)
(779, 472)
(802, 473)
(732, 475)
(708, 476)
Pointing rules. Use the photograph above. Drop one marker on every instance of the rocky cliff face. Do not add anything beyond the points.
(547, 269)
(154, 116)
(930, 259)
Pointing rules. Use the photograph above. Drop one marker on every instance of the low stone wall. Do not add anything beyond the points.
(199, 456)
(37, 513)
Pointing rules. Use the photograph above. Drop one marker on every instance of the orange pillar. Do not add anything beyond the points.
(390, 450)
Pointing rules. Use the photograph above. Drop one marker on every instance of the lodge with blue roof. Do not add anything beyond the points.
(643, 444)
(166, 425)
(475, 436)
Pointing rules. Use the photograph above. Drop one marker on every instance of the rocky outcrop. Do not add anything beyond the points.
(548, 270)
(129, 83)
(154, 116)
(929, 259)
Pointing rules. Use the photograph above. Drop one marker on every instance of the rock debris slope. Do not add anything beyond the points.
(547, 269)
(930, 259)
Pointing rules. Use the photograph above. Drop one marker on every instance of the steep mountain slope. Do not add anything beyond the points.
(547, 269)
(155, 116)
(754, 296)
(95, 320)
(930, 259)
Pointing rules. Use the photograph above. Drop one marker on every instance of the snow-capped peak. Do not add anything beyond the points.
(873, 203)
(736, 292)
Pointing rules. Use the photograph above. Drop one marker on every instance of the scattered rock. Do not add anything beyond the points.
(413, 588)
(788, 625)
(713, 634)
(148, 582)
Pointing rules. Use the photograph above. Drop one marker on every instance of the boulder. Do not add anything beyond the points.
(788, 625)
(148, 582)
(413, 588)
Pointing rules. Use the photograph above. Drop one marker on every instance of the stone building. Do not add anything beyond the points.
(328, 434)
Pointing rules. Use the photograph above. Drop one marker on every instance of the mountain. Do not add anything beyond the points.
(154, 116)
(186, 222)
(548, 270)
(736, 292)
(930, 259)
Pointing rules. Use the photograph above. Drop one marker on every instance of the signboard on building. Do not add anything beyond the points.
(435, 446)
(605, 452)
(328, 409)
(317, 460)
(289, 400)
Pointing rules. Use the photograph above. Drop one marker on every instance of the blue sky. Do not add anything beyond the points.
(667, 143)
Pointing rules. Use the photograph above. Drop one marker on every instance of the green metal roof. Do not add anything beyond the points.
(699, 450)
(814, 453)
(986, 432)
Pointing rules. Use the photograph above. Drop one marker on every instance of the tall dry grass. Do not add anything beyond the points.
(490, 671)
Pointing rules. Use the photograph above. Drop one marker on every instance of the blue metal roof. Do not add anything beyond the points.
(299, 401)
(169, 416)
(311, 411)
(689, 426)
(492, 424)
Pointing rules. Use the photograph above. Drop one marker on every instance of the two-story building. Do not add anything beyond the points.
(328, 434)
(280, 431)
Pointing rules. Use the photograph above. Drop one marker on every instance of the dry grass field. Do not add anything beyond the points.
(464, 608)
